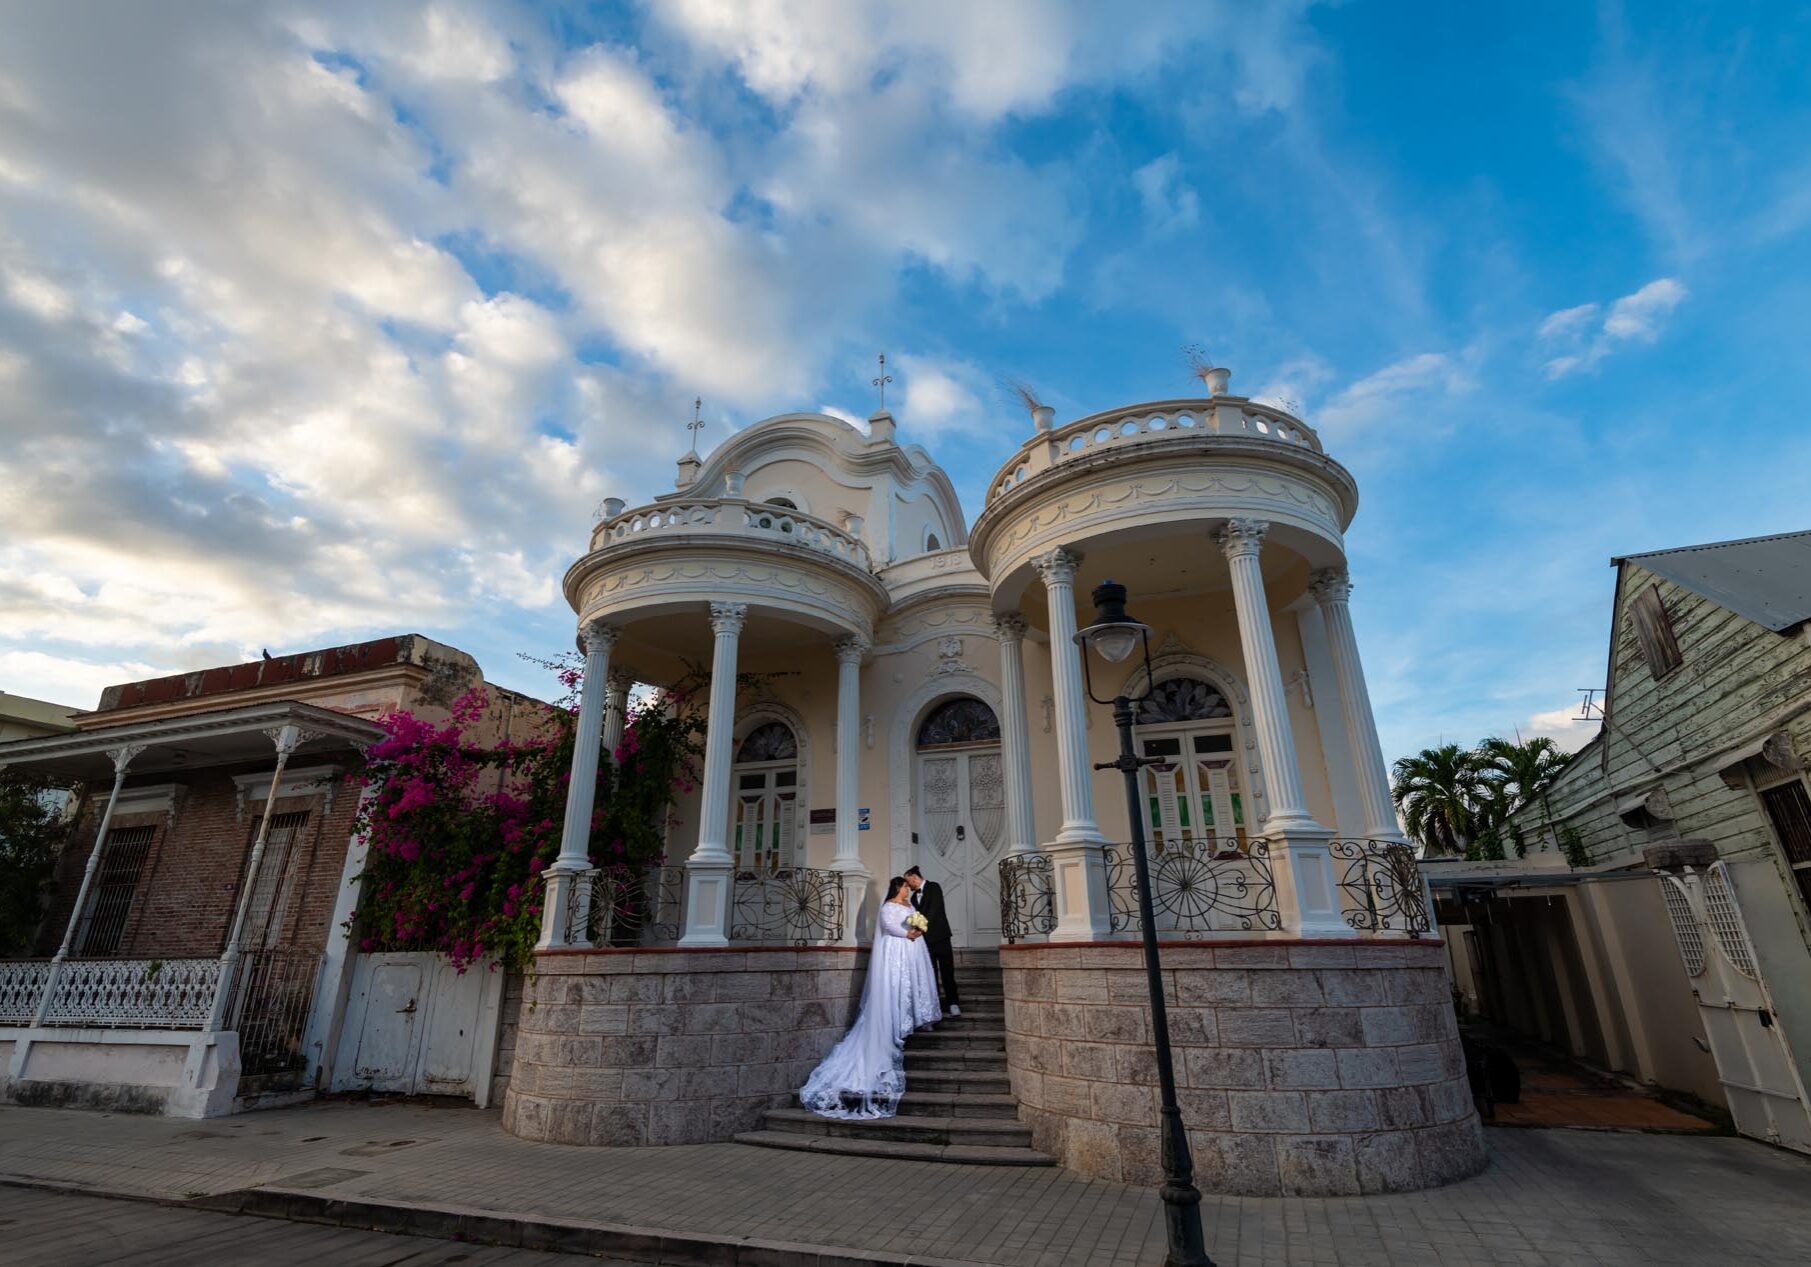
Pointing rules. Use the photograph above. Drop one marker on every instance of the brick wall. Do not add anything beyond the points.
(623, 1047)
(1301, 1069)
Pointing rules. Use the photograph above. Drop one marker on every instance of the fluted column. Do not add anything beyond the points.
(710, 871)
(616, 712)
(122, 758)
(1078, 857)
(1332, 589)
(849, 653)
(1307, 897)
(1015, 746)
(564, 901)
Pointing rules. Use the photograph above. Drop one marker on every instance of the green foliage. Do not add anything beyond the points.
(1489, 845)
(1573, 846)
(1451, 797)
(32, 833)
(1519, 841)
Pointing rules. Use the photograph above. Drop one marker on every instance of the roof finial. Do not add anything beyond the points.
(697, 423)
(882, 381)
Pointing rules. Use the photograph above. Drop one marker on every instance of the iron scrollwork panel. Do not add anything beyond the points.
(631, 906)
(1027, 896)
(1381, 886)
(800, 906)
(1197, 888)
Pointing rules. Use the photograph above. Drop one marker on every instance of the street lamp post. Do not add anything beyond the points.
(1114, 635)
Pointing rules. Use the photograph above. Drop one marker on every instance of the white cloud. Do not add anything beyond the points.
(1169, 203)
(1563, 726)
(1401, 392)
(1637, 317)
(940, 397)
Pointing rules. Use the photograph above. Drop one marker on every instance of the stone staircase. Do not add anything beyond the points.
(958, 1104)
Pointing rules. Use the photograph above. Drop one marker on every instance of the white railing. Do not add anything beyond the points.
(1142, 424)
(134, 993)
(735, 517)
(21, 986)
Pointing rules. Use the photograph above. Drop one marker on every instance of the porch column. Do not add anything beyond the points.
(1332, 589)
(565, 900)
(1015, 745)
(287, 739)
(710, 871)
(616, 712)
(122, 758)
(1078, 854)
(854, 876)
(1307, 896)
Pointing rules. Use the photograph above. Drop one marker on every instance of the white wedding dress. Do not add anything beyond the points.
(864, 1074)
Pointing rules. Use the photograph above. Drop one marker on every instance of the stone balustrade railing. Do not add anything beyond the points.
(736, 517)
(1142, 424)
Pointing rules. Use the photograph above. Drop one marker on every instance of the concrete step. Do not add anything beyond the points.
(909, 1129)
(946, 1038)
(964, 1154)
(960, 1082)
(998, 1105)
(956, 1061)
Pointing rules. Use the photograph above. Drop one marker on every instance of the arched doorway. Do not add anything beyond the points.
(764, 816)
(961, 805)
(1194, 794)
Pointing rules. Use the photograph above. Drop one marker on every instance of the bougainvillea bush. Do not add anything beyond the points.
(459, 833)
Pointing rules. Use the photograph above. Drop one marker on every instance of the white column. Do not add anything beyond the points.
(1333, 591)
(287, 739)
(849, 653)
(1307, 897)
(122, 758)
(710, 871)
(1078, 858)
(616, 712)
(563, 902)
(1015, 736)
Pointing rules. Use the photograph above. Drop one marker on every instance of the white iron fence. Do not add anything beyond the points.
(134, 993)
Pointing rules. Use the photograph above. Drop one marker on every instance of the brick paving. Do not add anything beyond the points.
(1549, 1196)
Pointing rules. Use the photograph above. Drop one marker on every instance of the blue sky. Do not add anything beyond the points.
(318, 323)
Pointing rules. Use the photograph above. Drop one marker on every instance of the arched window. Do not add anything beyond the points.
(1183, 699)
(784, 503)
(765, 832)
(771, 741)
(931, 543)
(961, 720)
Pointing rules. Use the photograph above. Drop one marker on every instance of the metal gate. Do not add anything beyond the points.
(416, 1026)
(1754, 1063)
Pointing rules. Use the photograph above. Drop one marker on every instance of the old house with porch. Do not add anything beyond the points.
(1675, 950)
(193, 960)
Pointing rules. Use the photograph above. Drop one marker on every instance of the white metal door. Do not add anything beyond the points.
(961, 830)
(1754, 1063)
(416, 1026)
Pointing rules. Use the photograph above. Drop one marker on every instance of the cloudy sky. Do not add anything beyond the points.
(319, 322)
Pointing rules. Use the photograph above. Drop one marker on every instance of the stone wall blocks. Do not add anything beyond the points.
(683, 1051)
(1449, 1101)
(561, 965)
(1092, 1149)
(714, 1018)
(1251, 956)
(1118, 1024)
(691, 987)
(1135, 987)
(596, 1084)
(1364, 1067)
(1037, 985)
(741, 986)
(1329, 1027)
(1214, 1068)
(1140, 1155)
(1194, 1027)
(1115, 1103)
(1362, 988)
(1420, 986)
(1088, 1060)
(1389, 1162)
(1320, 956)
(1330, 1111)
(1085, 986)
(1218, 985)
(1129, 957)
(573, 1051)
(1062, 1020)
(592, 990)
(1289, 987)
(638, 988)
(730, 1118)
(1269, 1112)
(1317, 1166)
(741, 1049)
(1298, 1070)
(1027, 1086)
(679, 1122)
(1256, 1027)
(604, 1018)
(1451, 1152)
(657, 1018)
(1423, 1062)
(1239, 1165)
(1204, 1110)
(805, 1014)
(650, 1084)
(1401, 1108)
(1402, 954)
(1391, 1026)
(1066, 1096)
(705, 1084)
(1135, 1065)
(624, 1053)
(568, 1122)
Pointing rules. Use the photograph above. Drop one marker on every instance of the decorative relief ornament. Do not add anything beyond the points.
(1056, 567)
(1330, 585)
(1010, 626)
(949, 656)
(727, 619)
(598, 637)
(1048, 706)
(850, 650)
(1243, 538)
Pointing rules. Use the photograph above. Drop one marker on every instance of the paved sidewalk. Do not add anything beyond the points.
(1560, 1197)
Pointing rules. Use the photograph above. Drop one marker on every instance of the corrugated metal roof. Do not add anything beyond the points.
(1766, 579)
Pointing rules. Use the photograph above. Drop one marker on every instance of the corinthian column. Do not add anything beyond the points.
(1307, 898)
(616, 712)
(1015, 747)
(564, 904)
(1332, 589)
(710, 871)
(1077, 854)
(854, 876)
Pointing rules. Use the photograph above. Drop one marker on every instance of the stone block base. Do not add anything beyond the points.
(1302, 1068)
(672, 1046)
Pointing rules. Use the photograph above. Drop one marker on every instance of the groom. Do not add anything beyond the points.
(927, 898)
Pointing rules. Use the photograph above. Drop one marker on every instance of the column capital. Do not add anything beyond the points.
(850, 650)
(621, 681)
(1242, 538)
(122, 757)
(1057, 567)
(286, 738)
(1330, 585)
(1010, 626)
(596, 636)
(728, 618)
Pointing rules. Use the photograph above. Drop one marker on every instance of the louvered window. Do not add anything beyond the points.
(1654, 631)
(273, 890)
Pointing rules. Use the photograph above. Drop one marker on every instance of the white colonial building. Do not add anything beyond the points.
(917, 698)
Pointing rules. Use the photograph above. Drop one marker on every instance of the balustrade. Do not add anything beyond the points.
(628, 906)
(21, 985)
(1380, 887)
(799, 906)
(735, 517)
(134, 993)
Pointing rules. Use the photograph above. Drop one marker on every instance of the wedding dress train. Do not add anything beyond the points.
(864, 1074)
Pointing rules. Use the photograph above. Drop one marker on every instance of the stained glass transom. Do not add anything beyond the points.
(960, 720)
(1183, 699)
(771, 741)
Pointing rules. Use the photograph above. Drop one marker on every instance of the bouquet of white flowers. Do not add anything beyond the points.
(918, 922)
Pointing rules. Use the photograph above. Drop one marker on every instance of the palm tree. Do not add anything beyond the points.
(1519, 771)
(1441, 794)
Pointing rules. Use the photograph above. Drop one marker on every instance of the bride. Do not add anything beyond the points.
(864, 1074)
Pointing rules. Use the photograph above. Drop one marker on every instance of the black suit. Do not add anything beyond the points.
(937, 939)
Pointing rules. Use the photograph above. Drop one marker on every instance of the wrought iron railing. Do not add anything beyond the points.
(628, 906)
(134, 993)
(1380, 886)
(1198, 887)
(800, 906)
(274, 995)
(21, 986)
(1027, 896)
